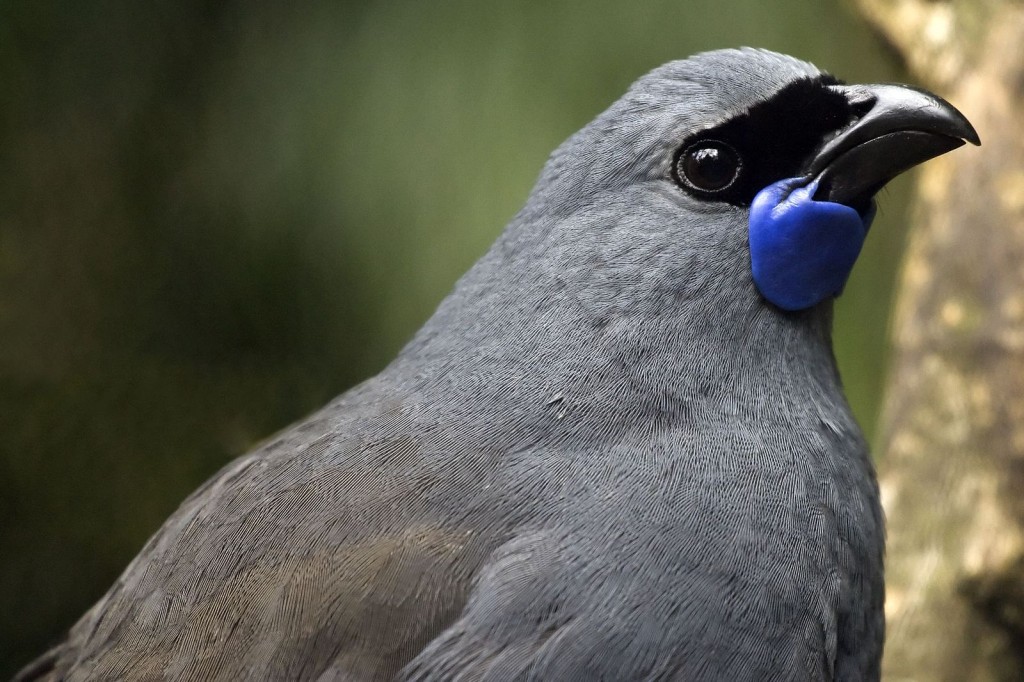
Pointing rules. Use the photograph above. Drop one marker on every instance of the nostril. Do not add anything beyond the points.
(861, 100)
(861, 107)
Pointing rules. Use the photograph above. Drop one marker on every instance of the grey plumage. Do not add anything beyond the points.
(605, 457)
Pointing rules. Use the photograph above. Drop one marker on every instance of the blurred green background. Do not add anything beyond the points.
(214, 216)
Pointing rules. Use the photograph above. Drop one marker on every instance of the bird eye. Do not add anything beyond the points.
(708, 166)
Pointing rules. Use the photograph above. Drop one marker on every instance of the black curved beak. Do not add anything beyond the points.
(900, 127)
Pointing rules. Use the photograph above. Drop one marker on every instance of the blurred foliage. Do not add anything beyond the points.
(214, 216)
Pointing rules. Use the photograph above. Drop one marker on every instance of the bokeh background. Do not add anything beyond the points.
(214, 216)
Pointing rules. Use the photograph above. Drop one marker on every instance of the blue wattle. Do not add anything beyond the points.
(802, 250)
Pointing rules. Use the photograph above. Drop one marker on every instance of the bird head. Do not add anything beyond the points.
(721, 201)
(743, 172)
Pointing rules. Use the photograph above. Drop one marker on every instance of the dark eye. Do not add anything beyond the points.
(708, 166)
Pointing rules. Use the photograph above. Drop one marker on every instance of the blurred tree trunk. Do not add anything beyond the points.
(952, 447)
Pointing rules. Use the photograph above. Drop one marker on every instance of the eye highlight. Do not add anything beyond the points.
(707, 167)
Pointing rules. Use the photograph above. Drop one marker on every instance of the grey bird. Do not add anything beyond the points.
(619, 450)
